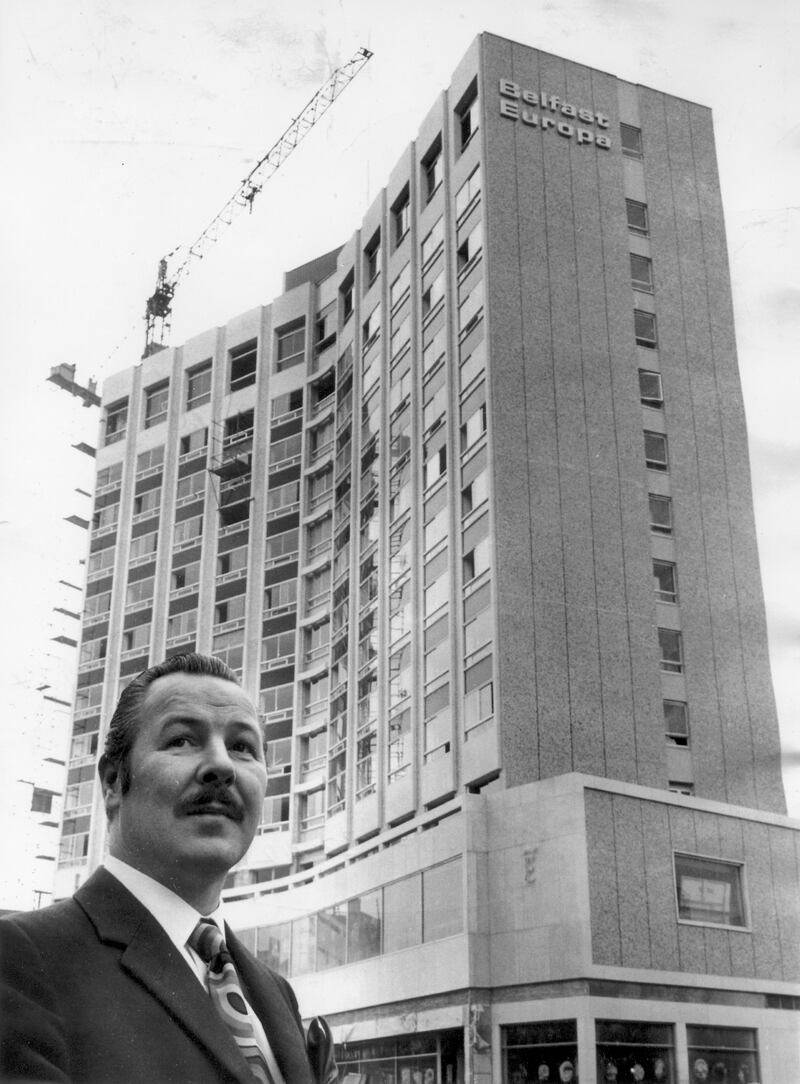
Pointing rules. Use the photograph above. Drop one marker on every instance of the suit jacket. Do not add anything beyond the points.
(93, 991)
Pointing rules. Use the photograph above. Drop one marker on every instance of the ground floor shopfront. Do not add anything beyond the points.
(698, 1037)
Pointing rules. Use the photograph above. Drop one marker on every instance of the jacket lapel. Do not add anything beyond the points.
(270, 1004)
(152, 959)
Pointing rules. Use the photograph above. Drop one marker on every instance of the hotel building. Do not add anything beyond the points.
(468, 508)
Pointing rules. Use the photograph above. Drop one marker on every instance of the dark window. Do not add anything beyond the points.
(637, 216)
(650, 390)
(660, 514)
(116, 421)
(346, 295)
(291, 344)
(642, 273)
(723, 1054)
(631, 139)
(401, 216)
(198, 385)
(470, 247)
(634, 1051)
(156, 400)
(467, 117)
(432, 169)
(665, 581)
(243, 365)
(709, 890)
(194, 442)
(644, 324)
(372, 258)
(676, 722)
(655, 451)
(670, 643)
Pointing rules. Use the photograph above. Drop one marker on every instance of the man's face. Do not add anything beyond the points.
(197, 782)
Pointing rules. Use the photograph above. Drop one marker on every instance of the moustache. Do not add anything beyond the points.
(217, 796)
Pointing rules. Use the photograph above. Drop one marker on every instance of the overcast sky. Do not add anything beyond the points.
(125, 126)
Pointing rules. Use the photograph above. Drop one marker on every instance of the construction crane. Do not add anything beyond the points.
(159, 305)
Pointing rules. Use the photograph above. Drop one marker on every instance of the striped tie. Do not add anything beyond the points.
(226, 993)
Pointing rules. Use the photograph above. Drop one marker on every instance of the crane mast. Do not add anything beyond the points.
(158, 311)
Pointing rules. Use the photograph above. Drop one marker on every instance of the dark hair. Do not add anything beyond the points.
(125, 720)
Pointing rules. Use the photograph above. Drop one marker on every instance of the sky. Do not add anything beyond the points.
(124, 128)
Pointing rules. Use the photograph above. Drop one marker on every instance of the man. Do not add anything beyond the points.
(125, 982)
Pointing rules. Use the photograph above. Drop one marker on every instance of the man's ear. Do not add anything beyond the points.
(111, 783)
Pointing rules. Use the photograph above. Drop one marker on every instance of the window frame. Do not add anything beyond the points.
(644, 263)
(372, 259)
(632, 148)
(401, 217)
(646, 338)
(152, 396)
(636, 205)
(740, 885)
(433, 169)
(283, 335)
(196, 399)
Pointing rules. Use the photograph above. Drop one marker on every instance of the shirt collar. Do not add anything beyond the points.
(176, 916)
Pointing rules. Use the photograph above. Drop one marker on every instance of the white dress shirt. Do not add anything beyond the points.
(178, 919)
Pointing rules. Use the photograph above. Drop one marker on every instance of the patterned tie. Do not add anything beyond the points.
(226, 993)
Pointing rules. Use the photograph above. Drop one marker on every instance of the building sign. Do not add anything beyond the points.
(571, 122)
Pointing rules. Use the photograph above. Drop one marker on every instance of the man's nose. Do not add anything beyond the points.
(216, 765)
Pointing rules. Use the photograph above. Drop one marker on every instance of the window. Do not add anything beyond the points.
(470, 310)
(401, 216)
(372, 258)
(185, 576)
(150, 459)
(402, 917)
(291, 344)
(709, 890)
(198, 385)
(346, 297)
(631, 139)
(628, 1051)
(655, 451)
(191, 485)
(147, 501)
(156, 400)
(435, 464)
(529, 1046)
(442, 901)
(432, 169)
(670, 643)
(642, 273)
(467, 116)
(287, 404)
(660, 513)
(432, 294)
(325, 327)
(468, 192)
(723, 1054)
(665, 581)
(637, 216)
(432, 242)
(470, 247)
(116, 422)
(478, 694)
(109, 475)
(372, 326)
(644, 324)
(400, 287)
(650, 391)
(194, 442)
(474, 427)
(676, 722)
(243, 365)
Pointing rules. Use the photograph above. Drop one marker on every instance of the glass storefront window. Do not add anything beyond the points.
(402, 921)
(544, 1052)
(634, 1052)
(722, 1054)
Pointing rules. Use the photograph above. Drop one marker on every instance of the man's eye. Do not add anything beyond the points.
(178, 741)
(244, 746)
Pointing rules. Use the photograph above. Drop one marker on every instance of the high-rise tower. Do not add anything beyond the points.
(468, 507)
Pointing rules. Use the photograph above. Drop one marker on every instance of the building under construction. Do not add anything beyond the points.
(468, 508)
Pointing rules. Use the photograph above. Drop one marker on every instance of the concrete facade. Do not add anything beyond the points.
(468, 508)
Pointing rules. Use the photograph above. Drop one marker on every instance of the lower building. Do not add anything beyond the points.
(573, 922)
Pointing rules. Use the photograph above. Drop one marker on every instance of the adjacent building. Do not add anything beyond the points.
(468, 508)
